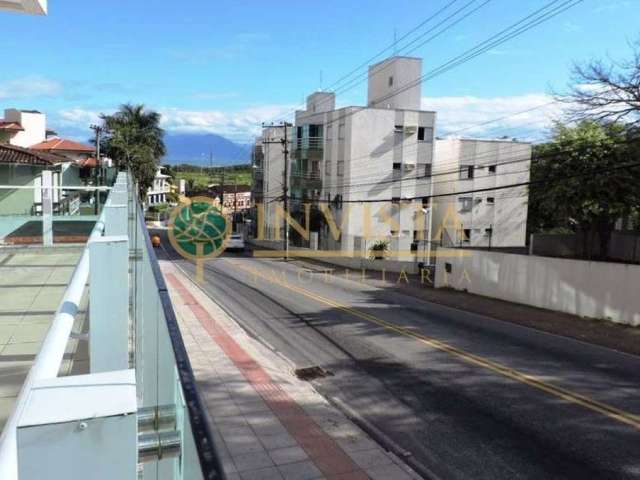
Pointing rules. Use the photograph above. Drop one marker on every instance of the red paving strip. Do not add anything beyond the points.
(325, 453)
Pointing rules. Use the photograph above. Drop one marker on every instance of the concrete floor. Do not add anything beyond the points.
(32, 283)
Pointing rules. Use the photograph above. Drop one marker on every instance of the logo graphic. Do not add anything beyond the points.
(198, 230)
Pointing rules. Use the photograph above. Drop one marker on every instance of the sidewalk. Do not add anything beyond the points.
(268, 424)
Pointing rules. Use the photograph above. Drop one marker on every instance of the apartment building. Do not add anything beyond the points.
(161, 187)
(268, 178)
(464, 214)
(368, 166)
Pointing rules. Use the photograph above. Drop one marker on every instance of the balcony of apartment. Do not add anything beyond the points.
(91, 354)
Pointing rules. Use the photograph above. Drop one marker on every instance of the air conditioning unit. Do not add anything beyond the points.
(410, 130)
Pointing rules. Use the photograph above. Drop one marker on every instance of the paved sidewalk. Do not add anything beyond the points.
(268, 424)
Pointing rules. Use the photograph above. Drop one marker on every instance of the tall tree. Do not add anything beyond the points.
(134, 140)
(606, 90)
(588, 204)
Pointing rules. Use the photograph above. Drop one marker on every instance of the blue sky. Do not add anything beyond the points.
(223, 66)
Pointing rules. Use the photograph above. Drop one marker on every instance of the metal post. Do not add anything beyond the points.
(47, 208)
(109, 303)
(285, 151)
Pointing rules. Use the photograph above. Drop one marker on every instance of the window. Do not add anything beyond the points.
(427, 170)
(425, 134)
(397, 166)
(466, 172)
(465, 204)
(467, 235)
(391, 81)
(492, 168)
(491, 200)
(341, 168)
(327, 167)
(395, 200)
(398, 128)
(426, 202)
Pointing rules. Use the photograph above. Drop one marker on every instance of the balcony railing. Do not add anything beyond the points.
(309, 143)
(136, 413)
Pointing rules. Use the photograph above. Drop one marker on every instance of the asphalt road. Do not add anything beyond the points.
(467, 395)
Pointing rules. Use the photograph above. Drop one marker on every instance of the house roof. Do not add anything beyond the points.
(11, 126)
(26, 156)
(61, 144)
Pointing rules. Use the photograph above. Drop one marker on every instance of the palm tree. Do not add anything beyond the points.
(135, 141)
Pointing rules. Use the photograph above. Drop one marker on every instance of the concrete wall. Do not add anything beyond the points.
(589, 289)
(391, 75)
(33, 123)
(17, 201)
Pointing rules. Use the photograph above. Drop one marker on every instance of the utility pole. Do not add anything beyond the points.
(99, 171)
(285, 184)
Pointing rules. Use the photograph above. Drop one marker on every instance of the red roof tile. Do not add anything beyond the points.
(61, 144)
(14, 126)
(26, 156)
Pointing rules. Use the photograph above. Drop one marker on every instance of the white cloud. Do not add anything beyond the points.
(525, 116)
(78, 117)
(29, 87)
(240, 125)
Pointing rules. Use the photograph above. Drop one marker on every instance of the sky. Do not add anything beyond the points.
(225, 66)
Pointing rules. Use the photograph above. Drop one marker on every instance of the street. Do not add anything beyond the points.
(463, 395)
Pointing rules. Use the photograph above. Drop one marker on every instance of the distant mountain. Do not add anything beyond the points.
(190, 147)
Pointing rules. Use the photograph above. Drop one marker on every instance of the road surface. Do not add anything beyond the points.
(467, 396)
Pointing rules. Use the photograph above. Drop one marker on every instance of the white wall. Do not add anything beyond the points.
(507, 215)
(588, 289)
(389, 76)
(33, 123)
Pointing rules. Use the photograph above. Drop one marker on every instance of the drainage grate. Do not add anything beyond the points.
(311, 373)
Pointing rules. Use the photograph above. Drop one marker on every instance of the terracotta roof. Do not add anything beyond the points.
(62, 144)
(14, 126)
(26, 156)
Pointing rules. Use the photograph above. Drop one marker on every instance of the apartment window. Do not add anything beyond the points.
(341, 131)
(465, 204)
(397, 166)
(391, 81)
(491, 200)
(340, 168)
(327, 167)
(425, 134)
(395, 200)
(466, 172)
(467, 235)
(427, 170)
(426, 202)
(492, 168)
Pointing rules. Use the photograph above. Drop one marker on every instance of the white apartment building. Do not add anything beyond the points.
(268, 178)
(368, 164)
(157, 193)
(491, 218)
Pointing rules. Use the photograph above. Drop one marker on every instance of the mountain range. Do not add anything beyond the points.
(195, 148)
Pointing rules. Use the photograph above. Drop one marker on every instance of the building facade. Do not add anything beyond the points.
(368, 167)
(466, 209)
(161, 187)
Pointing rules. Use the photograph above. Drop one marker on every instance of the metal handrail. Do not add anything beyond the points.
(49, 358)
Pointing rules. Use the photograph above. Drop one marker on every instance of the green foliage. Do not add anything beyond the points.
(588, 204)
(202, 177)
(378, 249)
(134, 140)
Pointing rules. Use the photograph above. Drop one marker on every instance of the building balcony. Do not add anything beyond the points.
(309, 143)
(104, 386)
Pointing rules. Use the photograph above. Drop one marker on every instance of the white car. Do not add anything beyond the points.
(235, 242)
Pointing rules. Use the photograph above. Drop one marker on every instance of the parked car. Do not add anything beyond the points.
(235, 242)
